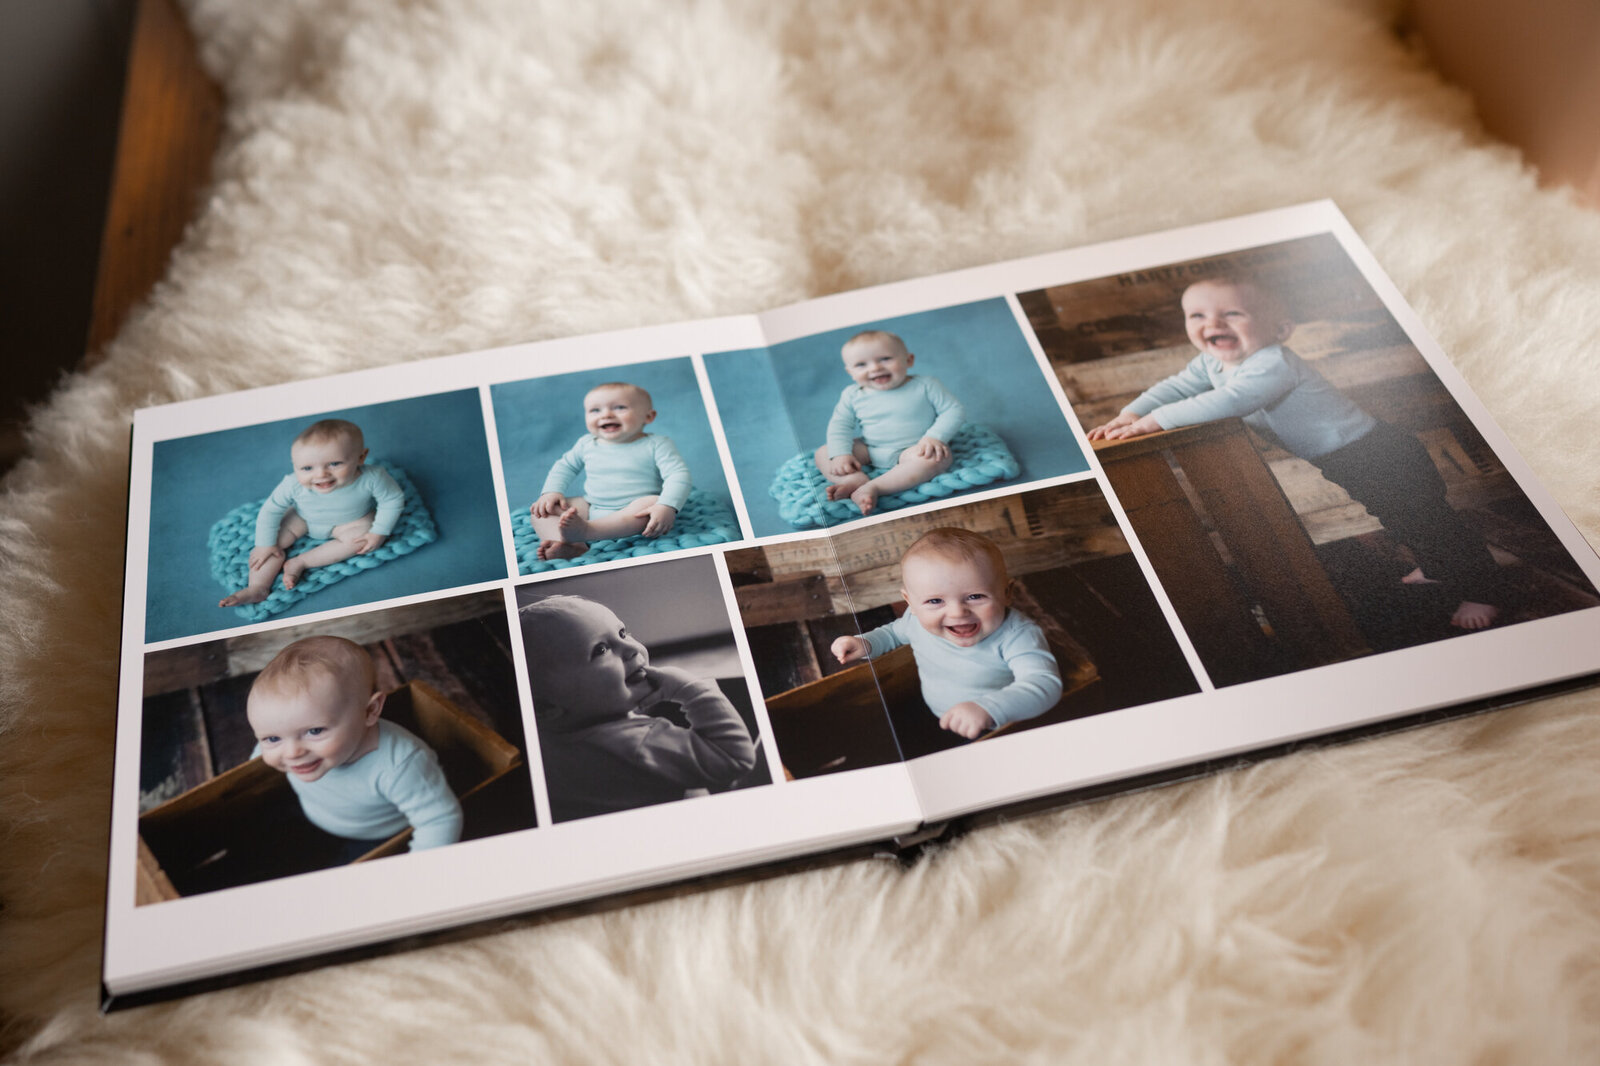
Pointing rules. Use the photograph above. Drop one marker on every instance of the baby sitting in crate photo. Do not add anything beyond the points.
(316, 713)
(298, 750)
(330, 495)
(616, 731)
(982, 664)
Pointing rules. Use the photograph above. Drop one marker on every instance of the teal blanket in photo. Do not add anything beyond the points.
(978, 458)
(703, 520)
(234, 536)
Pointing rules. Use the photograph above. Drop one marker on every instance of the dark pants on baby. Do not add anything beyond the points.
(1389, 472)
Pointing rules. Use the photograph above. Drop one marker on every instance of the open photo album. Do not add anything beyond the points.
(421, 647)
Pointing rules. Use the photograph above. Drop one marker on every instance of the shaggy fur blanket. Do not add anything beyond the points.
(401, 180)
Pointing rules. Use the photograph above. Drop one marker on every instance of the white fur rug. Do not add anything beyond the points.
(402, 180)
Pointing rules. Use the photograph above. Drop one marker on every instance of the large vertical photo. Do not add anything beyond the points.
(1306, 488)
(276, 753)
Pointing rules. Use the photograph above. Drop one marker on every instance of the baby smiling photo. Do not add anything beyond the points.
(610, 464)
(326, 510)
(852, 422)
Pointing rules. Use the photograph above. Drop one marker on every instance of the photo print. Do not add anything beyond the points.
(1068, 573)
(638, 690)
(275, 753)
(937, 404)
(1306, 488)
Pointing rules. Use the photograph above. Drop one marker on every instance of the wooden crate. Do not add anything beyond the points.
(836, 723)
(182, 841)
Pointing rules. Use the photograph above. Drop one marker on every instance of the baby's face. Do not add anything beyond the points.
(961, 600)
(877, 364)
(307, 733)
(616, 414)
(325, 465)
(1231, 322)
(592, 669)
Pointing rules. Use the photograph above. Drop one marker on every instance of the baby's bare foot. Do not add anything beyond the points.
(866, 498)
(561, 549)
(244, 595)
(845, 487)
(1473, 615)
(1417, 577)
(292, 570)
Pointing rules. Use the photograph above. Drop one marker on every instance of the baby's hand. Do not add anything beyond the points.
(840, 465)
(933, 449)
(1101, 432)
(370, 542)
(1139, 427)
(848, 649)
(549, 505)
(260, 557)
(660, 518)
(665, 684)
(966, 719)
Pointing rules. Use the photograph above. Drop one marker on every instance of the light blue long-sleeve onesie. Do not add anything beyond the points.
(1010, 673)
(1272, 389)
(614, 475)
(891, 420)
(397, 784)
(373, 491)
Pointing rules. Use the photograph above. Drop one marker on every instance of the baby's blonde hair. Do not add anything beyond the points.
(293, 668)
(638, 390)
(953, 542)
(332, 429)
(883, 336)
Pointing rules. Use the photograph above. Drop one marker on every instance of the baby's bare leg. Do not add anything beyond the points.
(345, 542)
(259, 585)
(558, 533)
(840, 486)
(624, 523)
(910, 471)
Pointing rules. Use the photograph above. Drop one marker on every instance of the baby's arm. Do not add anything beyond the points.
(552, 498)
(388, 498)
(675, 485)
(948, 413)
(843, 429)
(848, 649)
(421, 793)
(1037, 679)
(269, 520)
(1260, 381)
(869, 645)
(1134, 420)
(716, 748)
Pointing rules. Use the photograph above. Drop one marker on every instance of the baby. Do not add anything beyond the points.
(634, 482)
(982, 665)
(898, 423)
(315, 712)
(1245, 370)
(591, 680)
(332, 496)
